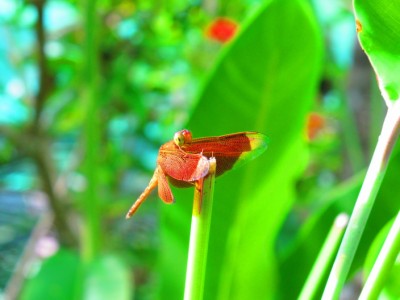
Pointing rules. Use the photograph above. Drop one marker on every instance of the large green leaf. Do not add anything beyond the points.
(56, 278)
(108, 278)
(378, 26)
(64, 276)
(265, 81)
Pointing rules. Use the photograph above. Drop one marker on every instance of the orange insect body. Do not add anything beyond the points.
(185, 160)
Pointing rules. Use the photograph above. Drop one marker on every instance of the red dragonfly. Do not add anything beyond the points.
(184, 160)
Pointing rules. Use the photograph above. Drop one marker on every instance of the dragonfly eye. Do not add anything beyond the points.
(182, 137)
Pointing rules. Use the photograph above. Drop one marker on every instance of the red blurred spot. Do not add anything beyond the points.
(221, 29)
(315, 123)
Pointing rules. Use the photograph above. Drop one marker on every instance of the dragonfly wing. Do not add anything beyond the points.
(183, 166)
(164, 191)
(230, 150)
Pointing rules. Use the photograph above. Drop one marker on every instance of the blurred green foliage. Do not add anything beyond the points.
(91, 89)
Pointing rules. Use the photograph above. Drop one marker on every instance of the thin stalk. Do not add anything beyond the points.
(91, 206)
(324, 258)
(364, 203)
(45, 79)
(199, 233)
(384, 263)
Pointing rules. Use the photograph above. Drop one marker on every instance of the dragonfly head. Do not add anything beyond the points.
(182, 137)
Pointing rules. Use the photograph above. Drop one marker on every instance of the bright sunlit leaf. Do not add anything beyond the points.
(378, 27)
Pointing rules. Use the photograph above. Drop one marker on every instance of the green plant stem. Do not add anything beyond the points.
(45, 79)
(91, 207)
(364, 203)
(199, 233)
(324, 258)
(384, 263)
